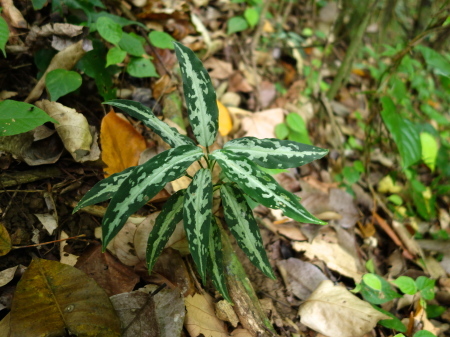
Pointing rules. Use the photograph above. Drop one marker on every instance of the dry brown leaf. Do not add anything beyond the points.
(238, 83)
(73, 128)
(225, 312)
(13, 15)
(262, 124)
(220, 69)
(300, 277)
(5, 240)
(328, 249)
(65, 59)
(114, 277)
(201, 318)
(241, 333)
(123, 247)
(336, 312)
(121, 144)
(66, 258)
(7, 275)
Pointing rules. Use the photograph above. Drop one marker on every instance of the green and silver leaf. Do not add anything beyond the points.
(200, 96)
(216, 261)
(143, 184)
(262, 186)
(104, 189)
(139, 111)
(242, 224)
(274, 153)
(197, 218)
(171, 214)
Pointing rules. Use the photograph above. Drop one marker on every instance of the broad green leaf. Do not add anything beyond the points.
(171, 214)
(38, 4)
(426, 287)
(197, 215)
(115, 55)
(117, 19)
(141, 67)
(236, 24)
(406, 285)
(372, 281)
(109, 30)
(4, 35)
(240, 221)
(281, 131)
(430, 149)
(403, 131)
(139, 111)
(143, 184)
(131, 45)
(296, 123)
(18, 117)
(435, 61)
(275, 153)
(60, 82)
(393, 323)
(252, 16)
(161, 39)
(374, 296)
(424, 333)
(104, 189)
(200, 96)
(261, 186)
(216, 261)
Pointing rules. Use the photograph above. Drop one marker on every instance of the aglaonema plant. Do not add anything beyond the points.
(240, 161)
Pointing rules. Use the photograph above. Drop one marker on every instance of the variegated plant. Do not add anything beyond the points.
(240, 161)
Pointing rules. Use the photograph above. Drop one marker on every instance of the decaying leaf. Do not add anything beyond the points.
(73, 128)
(262, 124)
(137, 313)
(7, 275)
(52, 297)
(121, 143)
(5, 240)
(201, 318)
(225, 121)
(13, 15)
(335, 312)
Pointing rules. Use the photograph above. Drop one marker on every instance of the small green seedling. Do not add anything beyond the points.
(241, 176)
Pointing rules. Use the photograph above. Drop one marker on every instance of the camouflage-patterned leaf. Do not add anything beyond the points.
(104, 189)
(216, 261)
(242, 224)
(171, 214)
(275, 153)
(143, 184)
(197, 218)
(200, 96)
(261, 186)
(139, 111)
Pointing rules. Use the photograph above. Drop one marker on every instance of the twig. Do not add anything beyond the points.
(49, 242)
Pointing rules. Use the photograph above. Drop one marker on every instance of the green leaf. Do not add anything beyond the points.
(161, 39)
(403, 131)
(240, 220)
(430, 149)
(252, 16)
(281, 131)
(296, 123)
(171, 214)
(143, 184)
(396, 199)
(394, 323)
(117, 19)
(4, 35)
(60, 82)
(137, 110)
(216, 261)
(131, 45)
(424, 333)
(109, 30)
(197, 215)
(406, 285)
(104, 189)
(38, 4)
(200, 96)
(115, 55)
(426, 287)
(236, 24)
(141, 67)
(275, 153)
(261, 186)
(384, 295)
(372, 281)
(18, 117)
(434, 311)
(435, 61)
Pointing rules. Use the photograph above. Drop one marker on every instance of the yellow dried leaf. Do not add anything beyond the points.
(121, 144)
(225, 121)
(5, 240)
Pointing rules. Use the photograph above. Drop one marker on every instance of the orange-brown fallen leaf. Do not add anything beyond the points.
(121, 144)
(225, 121)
